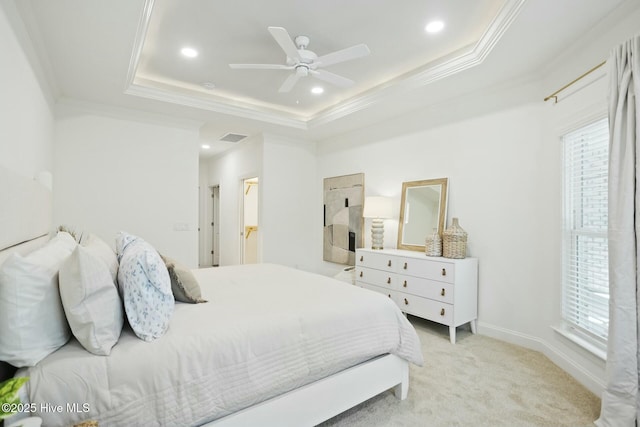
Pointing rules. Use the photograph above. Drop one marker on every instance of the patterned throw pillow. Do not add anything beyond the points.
(145, 287)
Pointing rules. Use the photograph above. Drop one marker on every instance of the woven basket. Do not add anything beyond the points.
(433, 244)
(454, 241)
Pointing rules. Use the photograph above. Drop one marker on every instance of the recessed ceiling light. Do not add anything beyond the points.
(434, 27)
(206, 146)
(317, 90)
(189, 52)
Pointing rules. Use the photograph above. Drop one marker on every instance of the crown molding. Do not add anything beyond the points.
(458, 61)
(220, 107)
(138, 44)
(69, 106)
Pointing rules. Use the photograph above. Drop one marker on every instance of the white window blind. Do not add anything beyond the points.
(585, 302)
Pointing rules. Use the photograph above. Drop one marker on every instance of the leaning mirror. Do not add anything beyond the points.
(423, 208)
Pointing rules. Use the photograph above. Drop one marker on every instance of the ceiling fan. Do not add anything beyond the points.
(305, 62)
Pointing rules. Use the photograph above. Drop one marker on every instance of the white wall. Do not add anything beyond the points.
(26, 118)
(288, 190)
(132, 174)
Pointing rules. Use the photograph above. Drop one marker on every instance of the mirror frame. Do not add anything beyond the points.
(443, 182)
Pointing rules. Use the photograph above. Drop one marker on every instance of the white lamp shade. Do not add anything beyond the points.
(378, 207)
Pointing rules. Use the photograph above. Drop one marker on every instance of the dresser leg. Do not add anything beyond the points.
(452, 334)
(474, 325)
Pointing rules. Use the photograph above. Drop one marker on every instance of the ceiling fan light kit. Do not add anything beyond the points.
(305, 62)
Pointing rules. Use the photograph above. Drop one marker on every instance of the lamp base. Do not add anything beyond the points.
(377, 233)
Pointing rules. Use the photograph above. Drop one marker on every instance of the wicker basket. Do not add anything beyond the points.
(454, 241)
(433, 244)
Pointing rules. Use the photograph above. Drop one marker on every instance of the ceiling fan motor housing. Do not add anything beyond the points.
(306, 57)
(302, 42)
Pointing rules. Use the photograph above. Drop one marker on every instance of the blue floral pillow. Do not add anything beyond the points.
(145, 287)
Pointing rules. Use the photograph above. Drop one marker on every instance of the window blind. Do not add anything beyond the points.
(585, 299)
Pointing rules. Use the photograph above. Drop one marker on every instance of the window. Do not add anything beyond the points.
(585, 287)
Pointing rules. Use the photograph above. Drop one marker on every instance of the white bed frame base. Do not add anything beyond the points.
(317, 402)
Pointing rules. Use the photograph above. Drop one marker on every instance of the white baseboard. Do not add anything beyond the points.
(583, 376)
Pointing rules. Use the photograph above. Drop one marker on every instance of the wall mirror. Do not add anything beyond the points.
(423, 208)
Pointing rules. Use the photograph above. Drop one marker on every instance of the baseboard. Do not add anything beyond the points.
(583, 376)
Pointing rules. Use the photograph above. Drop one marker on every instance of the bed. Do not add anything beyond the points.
(272, 346)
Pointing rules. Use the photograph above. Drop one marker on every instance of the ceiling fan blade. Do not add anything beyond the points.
(347, 54)
(289, 83)
(261, 66)
(332, 78)
(286, 43)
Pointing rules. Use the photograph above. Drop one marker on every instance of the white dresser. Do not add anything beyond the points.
(439, 289)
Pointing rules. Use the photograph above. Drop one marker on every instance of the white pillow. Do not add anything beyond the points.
(100, 249)
(31, 313)
(145, 287)
(91, 302)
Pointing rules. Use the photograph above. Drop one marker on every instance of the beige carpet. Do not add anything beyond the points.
(479, 381)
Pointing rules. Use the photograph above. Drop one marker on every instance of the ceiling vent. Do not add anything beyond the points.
(233, 137)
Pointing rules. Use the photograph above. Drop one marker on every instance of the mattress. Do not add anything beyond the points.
(266, 329)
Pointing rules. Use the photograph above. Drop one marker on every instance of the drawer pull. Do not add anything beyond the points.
(442, 292)
(361, 273)
(361, 258)
(389, 263)
(406, 302)
(388, 280)
(442, 312)
(405, 266)
(404, 284)
(444, 271)
(389, 295)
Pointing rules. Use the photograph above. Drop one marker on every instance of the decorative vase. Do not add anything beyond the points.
(454, 241)
(433, 244)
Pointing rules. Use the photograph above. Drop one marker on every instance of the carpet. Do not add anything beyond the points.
(479, 381)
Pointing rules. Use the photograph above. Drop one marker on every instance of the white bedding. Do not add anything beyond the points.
(266, 330)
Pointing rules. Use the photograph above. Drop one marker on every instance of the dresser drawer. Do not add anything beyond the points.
(376, 277)
(379, 261)
(434, 270)
(388, 292)
(426, 308)
(440, 291)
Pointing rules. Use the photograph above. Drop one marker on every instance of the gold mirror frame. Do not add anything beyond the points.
(410, 243)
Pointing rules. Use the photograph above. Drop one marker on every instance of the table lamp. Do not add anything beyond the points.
(379, 209)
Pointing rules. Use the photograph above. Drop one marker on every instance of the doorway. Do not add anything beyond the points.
(209, 229)
(215, 226)
(249, 233)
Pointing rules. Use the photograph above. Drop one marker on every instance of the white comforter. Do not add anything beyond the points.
(266, 330)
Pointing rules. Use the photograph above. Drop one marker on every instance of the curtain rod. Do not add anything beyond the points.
(554, 94)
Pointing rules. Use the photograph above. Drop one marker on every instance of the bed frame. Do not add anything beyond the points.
(330, 396)
(24, 228)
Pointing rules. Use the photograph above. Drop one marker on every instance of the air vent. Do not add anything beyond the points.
(233, 137)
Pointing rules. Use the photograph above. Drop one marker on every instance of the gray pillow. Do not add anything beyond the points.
(184, 285)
